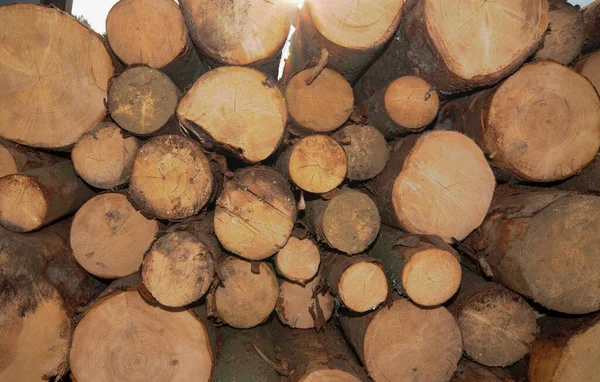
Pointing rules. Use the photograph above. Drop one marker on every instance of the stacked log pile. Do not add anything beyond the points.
(416, 198)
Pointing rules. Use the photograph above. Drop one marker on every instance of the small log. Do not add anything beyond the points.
(366, 150)
(245, 115)
(352, 33)
(587, 181)
(38, 197)
(321, 106)
(541, 244)
(529, 127)
(403, 342)
(178, 269)
(244, 299)
(565, 37)
(497, 325)
(298, 261)
(171, 178)
(407, 105)
(359, 281)
(424, 268)
(591, 15)
(255, 213)
(143, 101)
(316, 163)
(468, 371)
(53, 78)
(153, 32)
(304, 306)
(436, 183)
(109, 236)
(315, 357)
(349, 222)
(123, 338)
(15, 158)
(589, 67)
(104, 156)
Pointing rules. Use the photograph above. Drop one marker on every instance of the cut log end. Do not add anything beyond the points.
(366, 150)
(298, 260)
(411, 102)
(8, 165)
(329, 375)
(322, 106)
(23, 205)
(142, 100)
(354, 280)
(431, 277)
(104, 157)
(589, 67)
(299, 308)
(123, 338)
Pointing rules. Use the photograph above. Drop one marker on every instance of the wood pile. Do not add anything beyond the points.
(416, 198)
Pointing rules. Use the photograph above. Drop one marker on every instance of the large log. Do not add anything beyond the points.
(541, 243)
(245, 114)
(15, 158)
(436, 183)
(123, 338)
(498, 326)
(348, 222)
(304, 306)
(468, 371)
(153, 32)
(53, 78)
(529, 127)
(40, 196)
(403, 342)
(103, 157)
(589, 67)
(591, 15)
(255, 213)
(352, 33)
(240, 32)
(424, 268)
(298, 261)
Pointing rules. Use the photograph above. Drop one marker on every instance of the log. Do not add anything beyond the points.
(203, 228)
(298, 261)
(320, 106)
(352, 33)
(245, 115)
(103, 157)
(497, 325)
(178, 269)
(403, 342)
(529, 127)
(436, 183)
(565, 37)
(591, 15)
(468, 371)
(240, 32)
(568, 351)
(154, 33)
(304, 306)
(314, 357)
(541, 244)
(171, 178)
(460, 47)
(255, 213)
(589, 67)
(123, 338)
(349, 222)
(366, 150)
(587, 181)
(238, 358)
(143, 101)
(15, 158)
(109, 236)
(53, 91)
(38, 197)
(359, 281)
(407, 105)
(424, 268)
(244, 299)
(316, 163)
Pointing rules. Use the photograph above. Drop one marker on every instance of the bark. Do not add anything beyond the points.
(203, 228)
(587, 181)
(472, 372)
(591, 14)
(15, 158)
(304, 306)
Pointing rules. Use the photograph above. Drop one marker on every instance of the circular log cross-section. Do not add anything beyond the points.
(104, 156)
(589, 67)
(320, 107)
(122, 338)
(178, 269)
(171, 178)
(245, 299)
(143, 101)
(109, 237)
(366, 150)
(53, 78)
(245, 113)
(298, 260)
(255, 213)
(301, 307)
